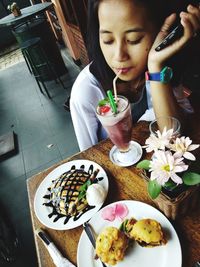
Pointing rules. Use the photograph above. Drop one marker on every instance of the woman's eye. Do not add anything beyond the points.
(134, 42)
(108, 42)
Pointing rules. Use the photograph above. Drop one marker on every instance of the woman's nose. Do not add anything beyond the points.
(120, 52)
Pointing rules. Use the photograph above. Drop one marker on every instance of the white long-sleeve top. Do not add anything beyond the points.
(85, 95)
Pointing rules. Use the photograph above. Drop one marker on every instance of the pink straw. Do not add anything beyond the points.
(114, 84)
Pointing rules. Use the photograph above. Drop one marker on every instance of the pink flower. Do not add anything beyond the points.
(165, 165)
(110, 213)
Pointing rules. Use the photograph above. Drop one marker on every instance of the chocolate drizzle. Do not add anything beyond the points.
(64, 191)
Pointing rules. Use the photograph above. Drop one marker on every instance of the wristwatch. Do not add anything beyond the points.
(164, 76)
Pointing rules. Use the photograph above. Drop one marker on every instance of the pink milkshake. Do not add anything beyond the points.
(115, 116)
(119, 125)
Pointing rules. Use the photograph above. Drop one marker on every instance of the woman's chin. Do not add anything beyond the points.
(126, 77)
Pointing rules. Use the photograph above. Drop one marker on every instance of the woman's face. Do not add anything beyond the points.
(126, 36)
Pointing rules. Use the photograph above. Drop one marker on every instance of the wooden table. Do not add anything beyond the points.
(124, 183)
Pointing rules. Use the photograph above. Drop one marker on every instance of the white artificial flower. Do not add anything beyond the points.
(165, 165)
(159, 141)
(182, 146)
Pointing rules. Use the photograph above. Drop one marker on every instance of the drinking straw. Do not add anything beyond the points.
(114, 85)
(112, 101)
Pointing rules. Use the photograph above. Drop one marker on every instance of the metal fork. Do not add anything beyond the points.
(90, 234)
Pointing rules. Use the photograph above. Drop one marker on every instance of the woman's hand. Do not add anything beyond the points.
(190, 21)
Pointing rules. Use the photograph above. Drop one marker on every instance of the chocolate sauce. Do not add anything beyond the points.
(65, 190)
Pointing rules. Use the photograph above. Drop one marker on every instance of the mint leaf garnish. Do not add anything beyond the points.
(103, 102)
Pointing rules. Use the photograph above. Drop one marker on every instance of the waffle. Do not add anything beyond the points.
(64, 193)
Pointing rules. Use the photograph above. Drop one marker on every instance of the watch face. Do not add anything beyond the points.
(166, 75)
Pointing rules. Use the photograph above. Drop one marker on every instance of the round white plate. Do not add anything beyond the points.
(43, 211)
(161, 256)
(137, 154)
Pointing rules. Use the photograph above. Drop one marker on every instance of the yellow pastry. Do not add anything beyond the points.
(111, 245)
(148, 233)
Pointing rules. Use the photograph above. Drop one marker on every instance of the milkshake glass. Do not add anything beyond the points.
(119, 127)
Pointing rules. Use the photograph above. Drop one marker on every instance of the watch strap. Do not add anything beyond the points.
(164, 76)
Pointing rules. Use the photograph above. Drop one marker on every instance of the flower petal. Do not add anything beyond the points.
(180, 168)
(188, 141)
(177, 179)
(160, 176)
(108, 213)
(192, 147)
(121, 211)
(189, 156)
(178, 154)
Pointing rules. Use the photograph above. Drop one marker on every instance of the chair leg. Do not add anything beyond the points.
(38, 83)
(37, 75)
(57, 78)
(66, 105)
(61, 82)
(45, 88)
(52, 70)
(27, 63)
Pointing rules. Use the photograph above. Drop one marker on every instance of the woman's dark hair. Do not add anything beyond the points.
(158, 11)
(99, 67)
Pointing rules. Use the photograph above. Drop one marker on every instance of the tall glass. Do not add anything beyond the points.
(119, 128)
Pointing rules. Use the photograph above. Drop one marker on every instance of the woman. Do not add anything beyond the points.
(123, 35)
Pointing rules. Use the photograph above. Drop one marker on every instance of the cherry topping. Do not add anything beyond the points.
(104, 109)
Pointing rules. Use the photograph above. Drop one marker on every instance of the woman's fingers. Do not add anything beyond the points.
(195, 10)
(168, 23)
(165, 30)
(166, 26)
(191, 23)
(188, 24)
(190, 20)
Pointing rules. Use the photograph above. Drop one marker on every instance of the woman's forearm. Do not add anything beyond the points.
(164, 101)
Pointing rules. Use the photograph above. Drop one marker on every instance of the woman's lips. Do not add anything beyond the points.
(123, 70)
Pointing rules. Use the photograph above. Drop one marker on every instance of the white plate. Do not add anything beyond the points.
(136, 155)
(43, 211)
(161, 256)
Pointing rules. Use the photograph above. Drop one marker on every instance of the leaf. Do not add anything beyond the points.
(103, 102)
(81, 195)
(191, 178)
(144, 164)
(170, 185)
(83, 189)
(123, 226)
(154, 189)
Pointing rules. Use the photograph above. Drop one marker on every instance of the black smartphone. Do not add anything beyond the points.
(175, 34)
